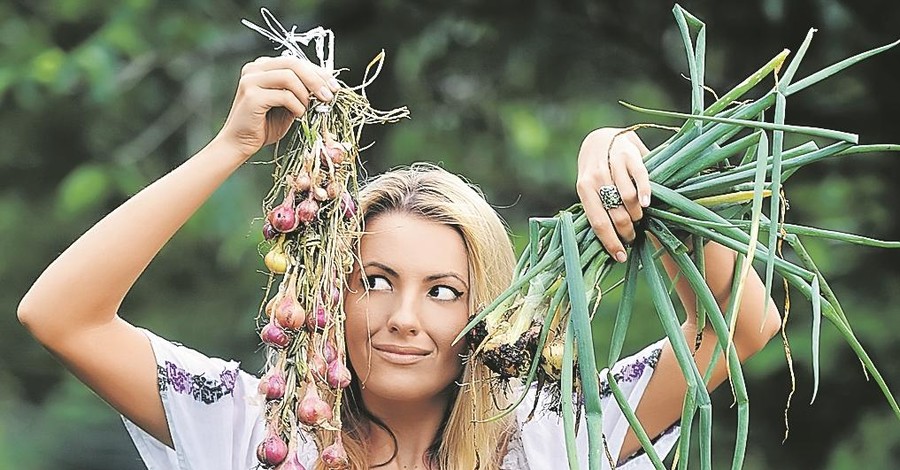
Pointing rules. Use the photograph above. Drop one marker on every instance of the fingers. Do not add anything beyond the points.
(587, 186)
(631, 206)
(641, 179)
(634, 139)
(316, 80)
(638, 171)
(274, 98)
(610, 157)
(278, 79)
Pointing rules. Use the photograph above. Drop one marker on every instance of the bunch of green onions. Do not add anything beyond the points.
(709, 181)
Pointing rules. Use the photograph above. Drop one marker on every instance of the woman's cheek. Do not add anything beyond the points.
(449, 329)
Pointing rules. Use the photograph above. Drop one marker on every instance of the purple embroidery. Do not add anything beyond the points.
(630, 372)
(180, 379)
(228, 378)
(197, 386)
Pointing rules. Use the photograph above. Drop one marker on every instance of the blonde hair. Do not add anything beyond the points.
(465, 439)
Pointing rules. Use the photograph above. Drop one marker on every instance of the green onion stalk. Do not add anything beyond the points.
(712, 180)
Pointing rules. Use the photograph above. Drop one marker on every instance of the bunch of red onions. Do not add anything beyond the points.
(308, 234)
(311, 221)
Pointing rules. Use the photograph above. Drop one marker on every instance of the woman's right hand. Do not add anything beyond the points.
(272, 92)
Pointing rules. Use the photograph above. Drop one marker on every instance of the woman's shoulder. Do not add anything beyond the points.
(206, 379)
(541, 433)
(210, 405)
(628, 372)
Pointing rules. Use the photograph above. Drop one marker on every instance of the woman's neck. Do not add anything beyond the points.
(414, 424)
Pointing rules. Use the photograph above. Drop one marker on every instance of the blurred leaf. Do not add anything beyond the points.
(85, 188)
(98, 65)
(528, 133)
(122, 35)
(46, 66)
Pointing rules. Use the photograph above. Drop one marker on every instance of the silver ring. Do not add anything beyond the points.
(610, 197)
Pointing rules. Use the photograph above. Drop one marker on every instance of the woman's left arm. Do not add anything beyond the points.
(607, 157)
(662, 401)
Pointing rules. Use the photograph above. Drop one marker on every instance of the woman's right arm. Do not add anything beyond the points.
(72, 308)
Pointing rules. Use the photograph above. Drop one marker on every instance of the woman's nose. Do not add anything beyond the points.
(405, 318)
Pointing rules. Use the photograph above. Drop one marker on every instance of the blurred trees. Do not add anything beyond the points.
(100, 98)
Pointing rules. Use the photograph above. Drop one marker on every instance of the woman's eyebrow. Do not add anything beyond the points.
(433, 277)
(452, 274)
(390, 271)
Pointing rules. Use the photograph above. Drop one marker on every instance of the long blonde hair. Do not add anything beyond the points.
(464, 440)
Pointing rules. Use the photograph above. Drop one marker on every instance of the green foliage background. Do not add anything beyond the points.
(100, 98)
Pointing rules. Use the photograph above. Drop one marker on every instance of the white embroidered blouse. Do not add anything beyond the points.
(215, 417)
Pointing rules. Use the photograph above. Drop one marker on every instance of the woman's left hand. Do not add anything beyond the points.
(613, 186)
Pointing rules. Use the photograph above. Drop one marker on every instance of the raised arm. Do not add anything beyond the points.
(622, 165)
(72, 308)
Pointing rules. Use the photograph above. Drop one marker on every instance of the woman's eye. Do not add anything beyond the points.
(376, 283)
(444, 293)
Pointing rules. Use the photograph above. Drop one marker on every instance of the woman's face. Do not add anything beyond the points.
(399, 332)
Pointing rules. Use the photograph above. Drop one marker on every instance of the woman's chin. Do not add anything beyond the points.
(403, 388)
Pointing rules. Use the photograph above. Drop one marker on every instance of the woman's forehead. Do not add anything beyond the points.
(406, 242)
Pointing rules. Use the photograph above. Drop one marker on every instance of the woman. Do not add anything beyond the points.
(433, 251)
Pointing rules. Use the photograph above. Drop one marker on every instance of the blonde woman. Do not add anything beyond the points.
(433, 250)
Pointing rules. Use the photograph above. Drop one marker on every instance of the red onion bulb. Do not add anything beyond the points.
(291, 463)
(272, 450)
(348, 207)
(338, 375)
(272, 386)
(307, 211)
(312, 410)
(269, 231)
(334, 456)
(282, 217)
(317, 319)
(274, 335)
(288, 312)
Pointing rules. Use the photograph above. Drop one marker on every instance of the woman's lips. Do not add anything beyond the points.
(402, 355)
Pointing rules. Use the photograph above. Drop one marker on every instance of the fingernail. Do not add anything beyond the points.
(621, 257)
(645, 200)
(325, 93)
(333, 83)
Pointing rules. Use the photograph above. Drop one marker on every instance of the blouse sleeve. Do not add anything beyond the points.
(543, 437)
(212, 409)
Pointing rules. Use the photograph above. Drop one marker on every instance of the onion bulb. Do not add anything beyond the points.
(317, 319)
(282, 217)
(338, 375)
(333, 189)
(276, 260)
(348, 207)
(272, 450)
(302, 181)
(319, 366)
(307, 211)
(272, 386)
(312, 410)
(269, 231)
(291, 463)
(320, 193)
(288, 312)
(329, 351)
(274, 336)
(336, 151)
(334, 456)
